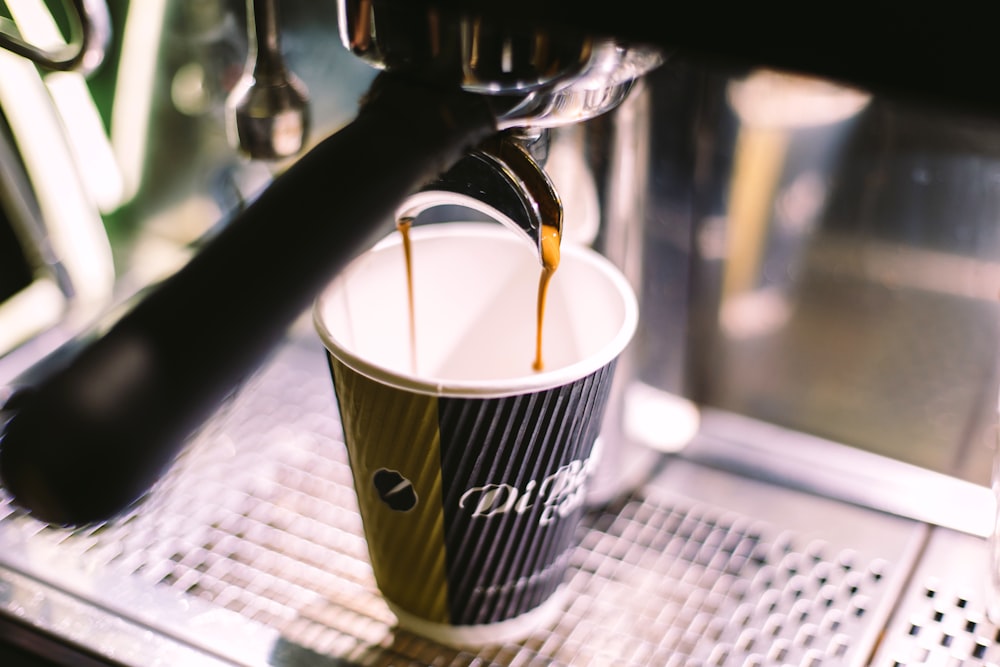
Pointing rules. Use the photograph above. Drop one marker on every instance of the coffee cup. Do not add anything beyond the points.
(470, 467)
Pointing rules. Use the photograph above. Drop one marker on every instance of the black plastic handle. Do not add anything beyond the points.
(92, 438)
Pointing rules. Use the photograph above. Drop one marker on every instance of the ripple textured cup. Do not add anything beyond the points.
(471, 468)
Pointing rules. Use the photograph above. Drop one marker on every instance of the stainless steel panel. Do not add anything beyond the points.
(782, 456)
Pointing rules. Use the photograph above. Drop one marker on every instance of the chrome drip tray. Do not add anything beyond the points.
(250, 552)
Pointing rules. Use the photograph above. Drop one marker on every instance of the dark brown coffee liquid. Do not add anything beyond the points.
(551, 242)
(403, 225)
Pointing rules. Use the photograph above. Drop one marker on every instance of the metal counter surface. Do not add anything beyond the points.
(250, 552)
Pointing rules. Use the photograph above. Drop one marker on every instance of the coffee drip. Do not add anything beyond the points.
(404, 225)
(502, 180)
(551, 241)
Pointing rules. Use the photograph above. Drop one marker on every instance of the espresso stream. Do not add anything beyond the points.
(551, 239)
(403, 225)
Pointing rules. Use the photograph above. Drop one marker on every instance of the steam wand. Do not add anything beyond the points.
(269, 106)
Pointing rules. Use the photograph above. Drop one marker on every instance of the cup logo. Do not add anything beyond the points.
(394, 490)
(559, 494)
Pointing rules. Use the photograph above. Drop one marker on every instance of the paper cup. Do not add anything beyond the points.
(471, 470)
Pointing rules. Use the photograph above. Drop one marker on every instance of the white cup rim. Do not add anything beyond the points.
(495, 388)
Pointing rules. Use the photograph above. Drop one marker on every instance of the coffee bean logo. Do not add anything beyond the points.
(395, 490)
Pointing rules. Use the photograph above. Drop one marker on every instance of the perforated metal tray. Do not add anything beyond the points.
(250, 552)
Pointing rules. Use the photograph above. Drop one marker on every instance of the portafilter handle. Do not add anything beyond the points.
(92, 438)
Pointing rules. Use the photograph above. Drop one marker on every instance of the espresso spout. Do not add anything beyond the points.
(501, 179)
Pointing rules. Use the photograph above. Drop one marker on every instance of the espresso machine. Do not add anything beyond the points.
(799, 448)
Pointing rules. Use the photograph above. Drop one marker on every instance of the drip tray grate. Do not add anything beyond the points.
(259, 518)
